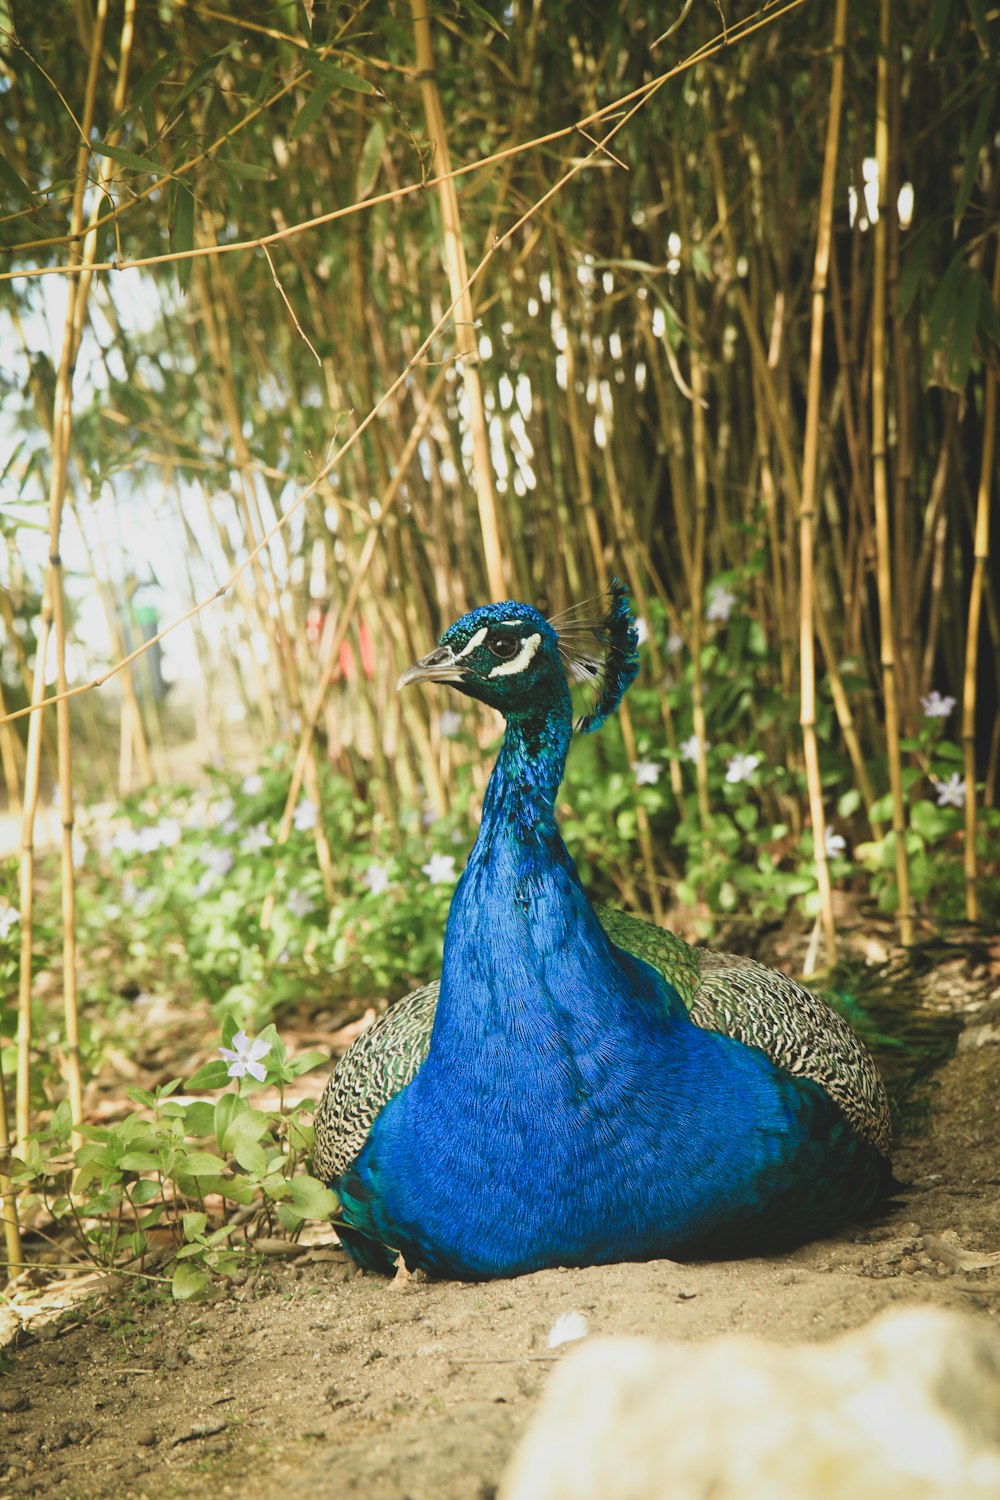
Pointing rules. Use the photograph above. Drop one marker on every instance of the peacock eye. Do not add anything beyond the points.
(504, 647)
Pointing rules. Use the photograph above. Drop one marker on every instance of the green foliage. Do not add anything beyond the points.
(177, 1166)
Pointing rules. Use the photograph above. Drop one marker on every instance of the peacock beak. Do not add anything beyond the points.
(441, 665)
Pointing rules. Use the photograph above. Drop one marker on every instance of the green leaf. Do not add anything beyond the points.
(307, 1061)
(197, 76)
(139, 1161)
(340, 77)
(188, 1281)
(200, 1164)
(199, 1117)
(311, 1199)
(145, 1191)
(140, 92)
(249, 169)
(312, 109)
(371, 156)
(14, 183)
(938, 22)
(194, 1225)
(214, 1075)
(881, 809)
(128, 159)
(140, 1096)
(984, 114)
(480, 12)
(225, 1108)
(183, 234)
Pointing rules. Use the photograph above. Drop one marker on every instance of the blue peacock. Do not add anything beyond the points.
(582, 1087)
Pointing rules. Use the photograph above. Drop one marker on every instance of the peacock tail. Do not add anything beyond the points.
(582, 1087)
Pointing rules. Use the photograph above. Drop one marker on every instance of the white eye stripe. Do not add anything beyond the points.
(529, 646)
(473, 642)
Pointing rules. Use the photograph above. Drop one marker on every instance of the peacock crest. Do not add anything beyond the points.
(601, 649)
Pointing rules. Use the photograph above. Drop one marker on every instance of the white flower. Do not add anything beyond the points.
(647, 772)
(951, 793)
(451, 723)
(216, 861)
(377, 879)
(169, 832)
(741, 767)
(935, 706)
(306, 815)
(675, 643)
(255, 839)
(720, 604)
(299, 903)
(252, 784)
(126, 841)
(221, 811)
(834, 843)
(9, 917)
(641, 630)
(245, 1057)
(566, 1328)
(690, 747)
(440, 869)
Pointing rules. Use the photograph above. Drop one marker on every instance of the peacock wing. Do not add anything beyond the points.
(375, 1067)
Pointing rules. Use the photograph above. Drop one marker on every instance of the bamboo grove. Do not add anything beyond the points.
(497, 301)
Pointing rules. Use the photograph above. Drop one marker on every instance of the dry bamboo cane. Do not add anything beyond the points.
(8, 751)
(981, 562)
(454, 252)
(315, 707)
(700, 464)
(8, 1202)
(52, 613)
(807, 503)
(880, 484)
(32, 770)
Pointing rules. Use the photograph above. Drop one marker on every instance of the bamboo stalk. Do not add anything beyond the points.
(8, 1202)
(465, 339)
(699, 448)
(979, 570)
(880, 483)
(9, 747)
(807, 503)
(315, 707)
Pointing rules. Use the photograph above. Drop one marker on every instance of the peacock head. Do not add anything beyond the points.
(511, 657)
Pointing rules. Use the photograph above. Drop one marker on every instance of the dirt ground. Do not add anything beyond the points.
(309, 1378)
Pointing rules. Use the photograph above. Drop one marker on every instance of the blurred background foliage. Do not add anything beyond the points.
(627, 394)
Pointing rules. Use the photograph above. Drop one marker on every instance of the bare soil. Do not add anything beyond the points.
(306, 1377)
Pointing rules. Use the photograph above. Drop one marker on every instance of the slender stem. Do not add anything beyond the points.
(980, 565)
(807, 504)
(880, 483)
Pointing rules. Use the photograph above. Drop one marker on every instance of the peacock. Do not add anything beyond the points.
(581, 1087)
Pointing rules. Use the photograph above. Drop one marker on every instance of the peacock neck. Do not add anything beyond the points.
(519, 807)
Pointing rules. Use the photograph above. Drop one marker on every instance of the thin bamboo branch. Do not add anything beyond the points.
(807, 504)
(458, 276)
(979, 570)
(880, 482)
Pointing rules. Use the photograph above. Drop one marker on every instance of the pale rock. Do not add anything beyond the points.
(906, 1408)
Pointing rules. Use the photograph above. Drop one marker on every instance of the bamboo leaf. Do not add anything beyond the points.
(200, 73)
(183, 240)
(128, 159)
(339, 77)
(984, 114)
(14, 183)
(248, 169)
(938, 22)
(482, 14)
(312, 109)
